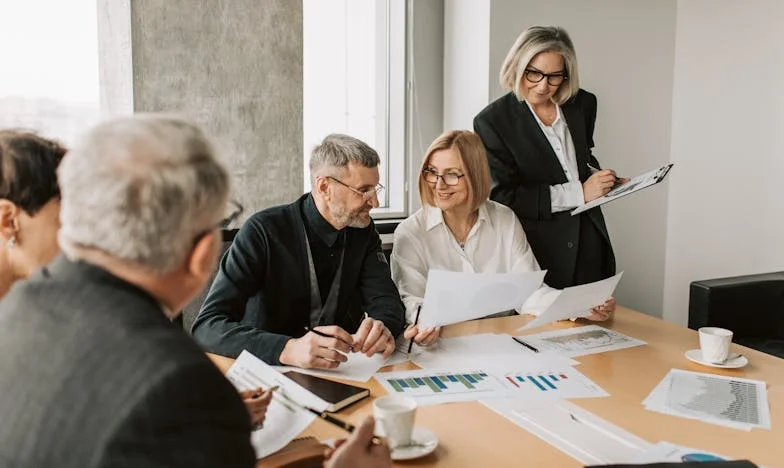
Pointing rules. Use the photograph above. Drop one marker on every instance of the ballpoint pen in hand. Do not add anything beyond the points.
(320, 333)
(416, 320)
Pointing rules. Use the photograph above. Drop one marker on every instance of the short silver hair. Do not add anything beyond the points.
(533, 41)
(141, 189)
(336, 151)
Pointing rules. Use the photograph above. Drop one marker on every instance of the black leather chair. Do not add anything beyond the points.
(752, 306)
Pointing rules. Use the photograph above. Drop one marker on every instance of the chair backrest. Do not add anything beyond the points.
(751, 306)
(191, 310)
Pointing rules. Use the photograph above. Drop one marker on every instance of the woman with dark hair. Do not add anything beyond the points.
(29, 204)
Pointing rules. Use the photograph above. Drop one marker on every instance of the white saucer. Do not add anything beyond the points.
(695, 355)
(425, 442)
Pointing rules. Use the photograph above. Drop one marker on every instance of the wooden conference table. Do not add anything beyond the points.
(471, 435)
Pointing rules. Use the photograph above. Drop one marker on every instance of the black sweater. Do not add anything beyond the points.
(261, 295)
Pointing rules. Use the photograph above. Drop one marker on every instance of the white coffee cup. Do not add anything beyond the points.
(715, 344)
(395, 419)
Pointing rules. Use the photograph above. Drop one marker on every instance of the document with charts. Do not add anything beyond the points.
(637, 183)
(717, 399)
(581, 341)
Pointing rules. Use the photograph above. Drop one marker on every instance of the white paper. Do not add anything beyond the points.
(728, 401)
(577, 301)
(283, 422)
(359, 368)
(453, 297)
(489, 350)
(435, 387)
(573, 430)
(581, 341)
(667, 452)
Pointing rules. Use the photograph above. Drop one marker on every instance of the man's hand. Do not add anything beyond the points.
(256, 402)
(374, 337)
(424, 337)
(603, 312)
(316, 351)
(598, 184)
(359, 451)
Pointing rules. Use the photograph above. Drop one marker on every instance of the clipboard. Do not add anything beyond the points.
(638, 183)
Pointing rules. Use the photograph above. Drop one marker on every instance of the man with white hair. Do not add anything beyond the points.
(92, 371)
(305, 284)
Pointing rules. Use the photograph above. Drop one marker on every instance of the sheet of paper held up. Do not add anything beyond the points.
(452, 297)
(581, 341)
(577, 301)
(359, 368)
(728, 401)
(573, 430)
(283, 422)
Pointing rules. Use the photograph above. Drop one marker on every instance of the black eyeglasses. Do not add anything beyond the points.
(236, 211)
(366, 194)
(553, 79)
(450, 178)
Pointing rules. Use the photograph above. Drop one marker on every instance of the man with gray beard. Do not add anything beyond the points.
(305, 284)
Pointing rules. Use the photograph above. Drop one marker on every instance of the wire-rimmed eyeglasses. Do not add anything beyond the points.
(236, 211)
(366, 194)
(449, 178)
(553, 79)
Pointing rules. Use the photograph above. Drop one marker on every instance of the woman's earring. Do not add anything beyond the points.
(11, 242)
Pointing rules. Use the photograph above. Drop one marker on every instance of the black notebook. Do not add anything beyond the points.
(338, 395)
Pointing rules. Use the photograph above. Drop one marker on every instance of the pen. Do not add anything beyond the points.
(345, 425)
(271, 389)
(525, 344)
(319, 333)
(416, 319)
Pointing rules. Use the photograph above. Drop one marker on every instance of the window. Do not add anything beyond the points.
(49, 79)
(354, 83)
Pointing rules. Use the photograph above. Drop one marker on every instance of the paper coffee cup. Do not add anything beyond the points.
(395, 419)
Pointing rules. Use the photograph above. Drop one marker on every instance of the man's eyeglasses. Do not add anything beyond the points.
(366, 194)
(450, 178)
(236, 211)
(553, 79)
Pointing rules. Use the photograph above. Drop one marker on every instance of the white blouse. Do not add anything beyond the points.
(495, 244)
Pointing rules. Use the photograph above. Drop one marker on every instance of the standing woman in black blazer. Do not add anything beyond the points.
(538, 139)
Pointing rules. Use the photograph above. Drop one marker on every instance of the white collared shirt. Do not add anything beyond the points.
(495, 244)
(569, 195)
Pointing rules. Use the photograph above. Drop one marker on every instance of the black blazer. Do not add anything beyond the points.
(261, 295)
(93, 374)
(523, 166)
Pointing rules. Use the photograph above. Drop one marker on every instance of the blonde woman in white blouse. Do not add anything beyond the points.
(459, 229)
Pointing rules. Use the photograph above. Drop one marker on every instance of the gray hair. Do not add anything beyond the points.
(141, 189)
(533, 41)
(336, 151)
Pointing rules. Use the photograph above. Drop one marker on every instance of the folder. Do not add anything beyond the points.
(638, 183)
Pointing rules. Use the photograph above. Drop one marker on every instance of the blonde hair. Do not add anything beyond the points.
(529, 44)
(471, 152)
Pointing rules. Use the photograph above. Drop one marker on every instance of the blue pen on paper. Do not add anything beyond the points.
(532, 348)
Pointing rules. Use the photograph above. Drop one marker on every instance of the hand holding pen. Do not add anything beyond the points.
(323, 347)
(256, 402)
(600, 183)
(424, 337)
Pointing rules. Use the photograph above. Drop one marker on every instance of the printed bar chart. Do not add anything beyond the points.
(438, 383)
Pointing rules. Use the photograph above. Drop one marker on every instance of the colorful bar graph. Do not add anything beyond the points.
(437, 383)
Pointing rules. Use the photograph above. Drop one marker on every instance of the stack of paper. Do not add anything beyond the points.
(727, 401)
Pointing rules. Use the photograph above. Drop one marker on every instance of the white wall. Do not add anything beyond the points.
(725, 214)
(466, 58)
(625, 52)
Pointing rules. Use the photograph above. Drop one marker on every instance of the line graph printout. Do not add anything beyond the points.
(729, 401)
(581, 341)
